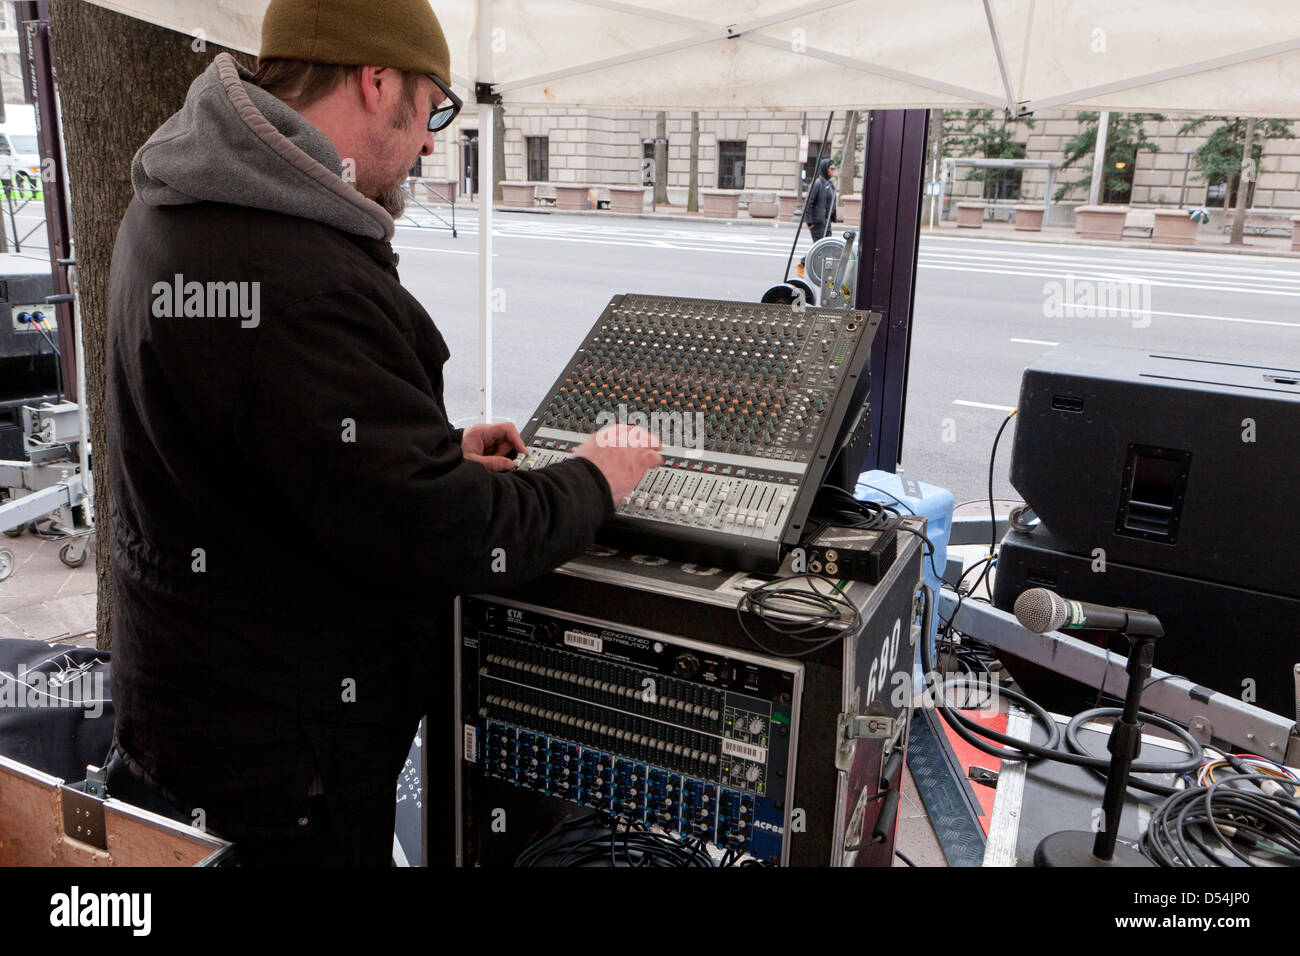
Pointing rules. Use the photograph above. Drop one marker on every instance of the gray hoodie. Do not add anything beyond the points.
(233, 142)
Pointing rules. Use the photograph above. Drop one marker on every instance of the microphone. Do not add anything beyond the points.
(1041, 610)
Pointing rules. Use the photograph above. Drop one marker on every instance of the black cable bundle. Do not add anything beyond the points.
(796, 611)
(1188, 827)
(600, 839)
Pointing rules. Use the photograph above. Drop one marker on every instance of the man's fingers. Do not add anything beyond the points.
(512, 436)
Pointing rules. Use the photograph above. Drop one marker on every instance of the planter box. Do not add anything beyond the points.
(851, 211)
(789, 205)
(970, 215)
(764, 206)
(1100, 222)
(720, 203)
(1174, 226)
(627, 199)
(572, 196)
(439, 190)
(1029, 218)
(1295, 233)
(517, 194)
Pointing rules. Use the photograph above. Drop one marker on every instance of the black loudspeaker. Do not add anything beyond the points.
(1170, 463)
(1237, 640)
(1171, 473)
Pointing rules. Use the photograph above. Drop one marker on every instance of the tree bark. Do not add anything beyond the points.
(119, 79)
(1243, 185)
(693, 186)
(661, 157)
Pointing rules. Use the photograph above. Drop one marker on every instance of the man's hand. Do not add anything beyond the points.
(623, 454)
(489, 444)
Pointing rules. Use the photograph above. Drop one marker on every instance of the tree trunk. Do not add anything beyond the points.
(848, 163)
(119, 79)
(933, 212)
(693, 186)
(499, 151)
(661, 157)
(1243, 184)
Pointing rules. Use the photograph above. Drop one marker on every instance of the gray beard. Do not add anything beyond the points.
(392, 200)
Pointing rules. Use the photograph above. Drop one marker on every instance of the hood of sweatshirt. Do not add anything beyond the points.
(234, 143)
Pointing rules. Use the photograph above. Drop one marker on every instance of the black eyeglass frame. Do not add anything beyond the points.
(449, 108)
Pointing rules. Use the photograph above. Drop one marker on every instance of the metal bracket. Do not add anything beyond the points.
(853, 727)
(97, 782)
(83, 817)
(988, 778)
(484, 93)
(1201, 729)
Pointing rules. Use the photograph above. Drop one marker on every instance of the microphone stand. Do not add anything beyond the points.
(1071, 847)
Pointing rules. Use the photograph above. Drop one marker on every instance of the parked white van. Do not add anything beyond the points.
(20, 156)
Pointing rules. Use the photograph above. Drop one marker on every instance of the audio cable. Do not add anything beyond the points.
(603, 839)
(1193, 827)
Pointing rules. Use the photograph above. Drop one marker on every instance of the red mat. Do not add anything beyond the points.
(969, 757)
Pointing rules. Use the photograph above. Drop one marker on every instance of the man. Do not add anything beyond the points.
(821, 202)
(293, 512)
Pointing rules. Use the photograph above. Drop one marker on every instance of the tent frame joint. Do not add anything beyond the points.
(484, 93)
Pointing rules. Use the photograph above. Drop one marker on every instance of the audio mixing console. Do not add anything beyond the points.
(748, 400)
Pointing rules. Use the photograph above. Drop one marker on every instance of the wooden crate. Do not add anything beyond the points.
(45, 823)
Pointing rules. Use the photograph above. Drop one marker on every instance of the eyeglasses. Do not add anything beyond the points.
(442, 114)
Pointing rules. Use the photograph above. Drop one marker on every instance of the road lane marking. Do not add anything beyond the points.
(1000, 408)
(1035, 342)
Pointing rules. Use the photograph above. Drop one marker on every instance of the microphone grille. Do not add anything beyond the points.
(1041, 610)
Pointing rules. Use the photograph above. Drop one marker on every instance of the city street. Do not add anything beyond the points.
(984, 309)
(980, 312)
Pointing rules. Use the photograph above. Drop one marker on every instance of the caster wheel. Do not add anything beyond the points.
(6, 563)
(65, 556)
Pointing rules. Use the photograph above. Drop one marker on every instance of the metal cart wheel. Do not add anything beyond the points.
(6, 563)
(74, 553)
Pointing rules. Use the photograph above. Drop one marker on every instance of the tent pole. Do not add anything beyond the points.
(485, 191)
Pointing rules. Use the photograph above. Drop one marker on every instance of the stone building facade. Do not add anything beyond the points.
(1167, 177)
(750, 151)
(606, 147)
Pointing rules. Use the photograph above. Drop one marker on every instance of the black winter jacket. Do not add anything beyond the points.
(292, 512)
(821, 200)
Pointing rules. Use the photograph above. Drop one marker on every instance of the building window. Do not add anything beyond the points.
(1119, 183)
(731, 164)
(539, 154)
(1002, 184)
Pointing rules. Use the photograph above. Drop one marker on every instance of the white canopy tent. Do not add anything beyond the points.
(1192, 56)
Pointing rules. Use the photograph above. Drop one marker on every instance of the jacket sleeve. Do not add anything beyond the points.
(814, 192)
(337, 415)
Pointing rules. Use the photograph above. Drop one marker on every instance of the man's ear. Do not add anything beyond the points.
(371, 79)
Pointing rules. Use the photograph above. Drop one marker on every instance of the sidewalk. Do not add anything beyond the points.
(44, 599)
(1207, 240)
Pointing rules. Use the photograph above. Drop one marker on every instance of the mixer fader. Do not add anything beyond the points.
(747, 400)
